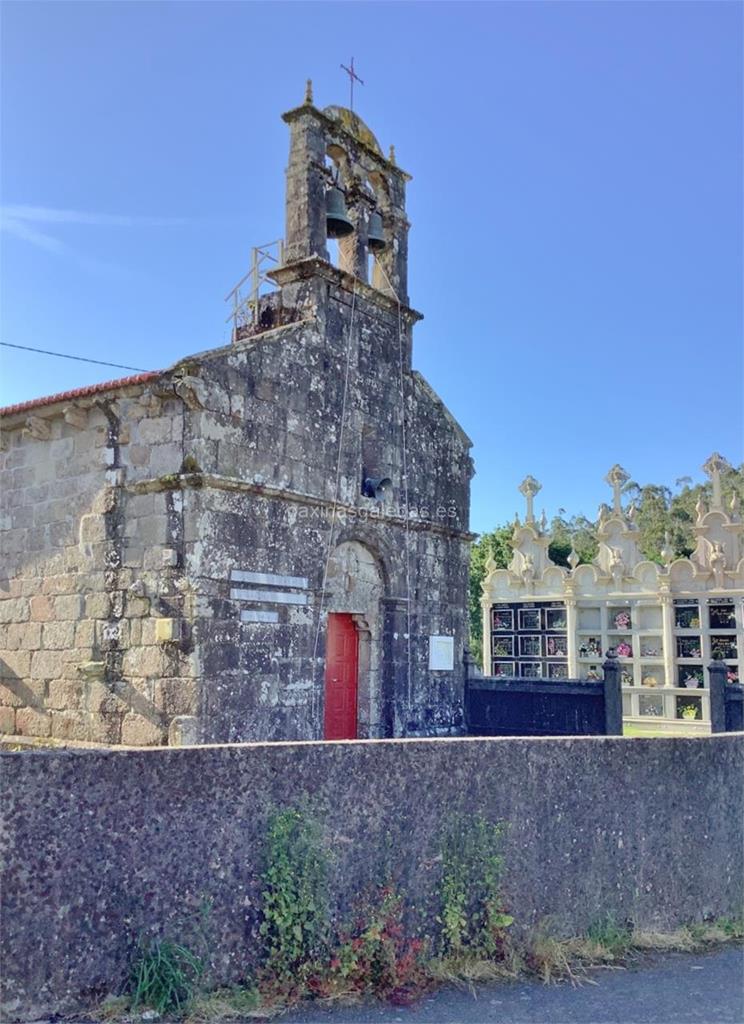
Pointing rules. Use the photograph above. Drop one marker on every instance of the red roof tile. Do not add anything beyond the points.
(91, 389)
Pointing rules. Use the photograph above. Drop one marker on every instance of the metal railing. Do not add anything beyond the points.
(247, 292)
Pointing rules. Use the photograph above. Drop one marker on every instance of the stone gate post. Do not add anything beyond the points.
(717, 683)
(613, 696)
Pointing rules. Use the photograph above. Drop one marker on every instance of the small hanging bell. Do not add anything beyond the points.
(376, 235)
(338, 224)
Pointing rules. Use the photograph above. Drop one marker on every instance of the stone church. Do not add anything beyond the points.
(268, 540)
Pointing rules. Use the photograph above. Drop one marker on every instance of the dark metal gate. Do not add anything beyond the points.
(500, 706)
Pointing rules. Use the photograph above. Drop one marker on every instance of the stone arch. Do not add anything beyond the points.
(338, 163)
(355, 584)
(381, 189)
(368, 535)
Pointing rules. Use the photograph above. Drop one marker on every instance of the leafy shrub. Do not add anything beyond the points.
(472, 916)
(295, 919)
(376, 956)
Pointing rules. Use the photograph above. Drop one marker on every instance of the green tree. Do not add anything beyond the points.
(661, 511)
(577, 533)
(652, 504)
(498, 544)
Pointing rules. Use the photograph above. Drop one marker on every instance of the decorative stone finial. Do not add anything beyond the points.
(699, 509)
(667, 551)
(734, 505)
(529, 488)
(573, 559)
(616, 478)
(713, 468)
(543, 521)
(490, 564)
(391, 154)
(309, 91)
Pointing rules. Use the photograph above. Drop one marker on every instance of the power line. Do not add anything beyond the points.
(79, 359)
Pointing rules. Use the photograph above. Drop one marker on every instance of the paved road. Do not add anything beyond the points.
(676, 988)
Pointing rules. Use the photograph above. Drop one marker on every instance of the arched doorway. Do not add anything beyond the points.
(355, 587)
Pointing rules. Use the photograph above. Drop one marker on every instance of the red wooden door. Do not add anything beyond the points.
(341, 672)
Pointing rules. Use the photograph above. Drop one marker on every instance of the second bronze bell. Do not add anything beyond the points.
(376, 235)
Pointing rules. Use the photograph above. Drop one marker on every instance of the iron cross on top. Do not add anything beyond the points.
(353, 77)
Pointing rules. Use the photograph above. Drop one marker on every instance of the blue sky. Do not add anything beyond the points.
(576, 207)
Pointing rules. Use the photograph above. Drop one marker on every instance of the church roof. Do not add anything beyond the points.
(84, 392)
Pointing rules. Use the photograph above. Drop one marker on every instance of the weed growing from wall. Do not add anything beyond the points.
(305, 956)
(165, 977)
(472, 917)
(374, 955)
(615, 939)
(295, 901)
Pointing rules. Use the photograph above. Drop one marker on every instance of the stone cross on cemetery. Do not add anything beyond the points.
(713, 468)
(616, 478)
(529, 488)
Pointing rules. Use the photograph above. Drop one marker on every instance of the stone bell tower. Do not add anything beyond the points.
(333, 148)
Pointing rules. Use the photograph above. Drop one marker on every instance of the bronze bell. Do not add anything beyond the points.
(376, 236)
(338, 224)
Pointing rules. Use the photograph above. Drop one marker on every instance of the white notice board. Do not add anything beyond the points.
(441, 653)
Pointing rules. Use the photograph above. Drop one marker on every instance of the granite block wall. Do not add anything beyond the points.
(88, 568)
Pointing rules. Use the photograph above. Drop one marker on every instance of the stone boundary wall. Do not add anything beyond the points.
(101, 847)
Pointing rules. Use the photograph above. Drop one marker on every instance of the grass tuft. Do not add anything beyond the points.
(113, 1008)
(607, 944)
(165, 977)
(234, 1003)
(609, 938)
(677, 941)
(468, 971)
(553, 960)
(692, 937)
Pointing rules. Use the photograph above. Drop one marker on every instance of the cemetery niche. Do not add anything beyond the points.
(664, 622)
